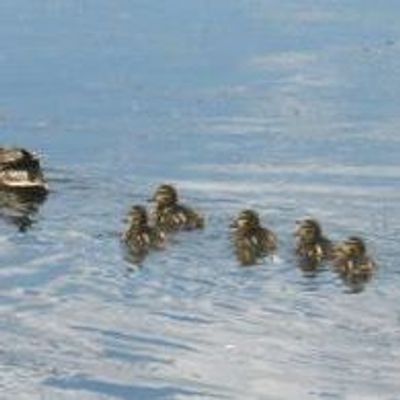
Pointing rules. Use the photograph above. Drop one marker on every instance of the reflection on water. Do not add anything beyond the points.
(286, 107)
(310, 267)
(133, 258)
(19, 207)
(356, 283)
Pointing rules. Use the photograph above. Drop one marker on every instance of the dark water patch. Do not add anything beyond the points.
(122, 391)
(145, 340)
(135, 358)
(184, 318)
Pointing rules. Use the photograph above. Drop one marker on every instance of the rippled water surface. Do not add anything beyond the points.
(289, 107)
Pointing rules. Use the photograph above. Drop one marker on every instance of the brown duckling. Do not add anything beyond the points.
(251, 240)
(170, 215)
(311, 244)
(140, 237)
(351, 259)
(20, 170)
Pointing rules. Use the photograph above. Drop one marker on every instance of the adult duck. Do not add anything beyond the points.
(20, 170)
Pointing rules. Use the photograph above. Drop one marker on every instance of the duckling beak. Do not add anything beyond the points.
(240, 223)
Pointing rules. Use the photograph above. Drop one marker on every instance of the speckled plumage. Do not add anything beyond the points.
(311, 244)
(140, 237)
(351, 259)
(250, 239)
(171, 216)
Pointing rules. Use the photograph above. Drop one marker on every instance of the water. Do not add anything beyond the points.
(290, 107)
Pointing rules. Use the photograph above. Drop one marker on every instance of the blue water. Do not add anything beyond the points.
(289, 107)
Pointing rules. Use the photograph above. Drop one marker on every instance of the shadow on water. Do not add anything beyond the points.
(20, 207)
(121, 391)
(134, 259)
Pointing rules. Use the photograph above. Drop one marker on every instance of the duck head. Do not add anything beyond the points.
(165, 195)
(308, 231)
(247, 220)
(353, 247)
(138, 217)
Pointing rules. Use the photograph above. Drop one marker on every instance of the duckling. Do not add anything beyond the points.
(140, 237)
(20, 169)
(171, 216)
(251, 240)
(311, 244)
(352, 261)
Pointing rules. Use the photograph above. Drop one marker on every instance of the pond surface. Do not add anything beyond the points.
(289, 107)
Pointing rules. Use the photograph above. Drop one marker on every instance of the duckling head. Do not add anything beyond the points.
(353, 247)
(309, 231)
(138, 216)
(165, 195)
(247, 220)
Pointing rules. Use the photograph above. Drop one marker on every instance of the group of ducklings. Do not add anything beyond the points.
(250, 239)
(20, 170)
(349, 257)
(168, 216)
